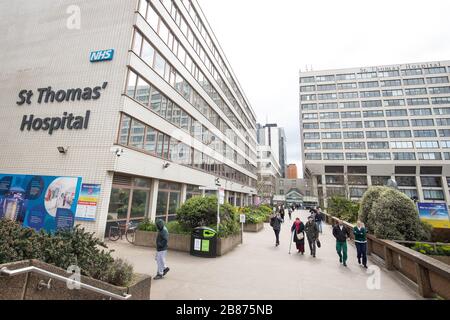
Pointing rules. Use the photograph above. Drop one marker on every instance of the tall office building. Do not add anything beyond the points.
(136, 97)
(364, 126)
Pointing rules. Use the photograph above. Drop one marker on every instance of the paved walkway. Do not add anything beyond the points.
(258, 270)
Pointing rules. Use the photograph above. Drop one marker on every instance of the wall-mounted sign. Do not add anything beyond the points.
(435, 214)
(87, 202)
(102, 55)
(39, 202)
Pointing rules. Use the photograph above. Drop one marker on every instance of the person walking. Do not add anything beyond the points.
(312, 234)
(341, 233)
(290, 213)
(282, 212)
(162, 242)
(275, 223)
(298, 228)
(360, 234)
(318, 217)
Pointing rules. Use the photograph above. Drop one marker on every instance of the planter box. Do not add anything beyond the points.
(177, 242)
(25, 286)
(253, 227)
(444, 259)
(182, 243)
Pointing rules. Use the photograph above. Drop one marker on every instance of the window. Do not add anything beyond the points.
(306, 79)
(379, 156)
(330, 125)
(331, 145)
(420, 112)
(426, 144)
(443, 122)
(416, 91)
(396, 113)
(346, 86)
(436, 80)
(354, 145)
(347, 76)
(311, 135)
(445, 144)
(413, 82)
(143, 92)
(422, 122)
(394, 103)
(331, 135)
(443, 100)
(405, 181)
(349, 104)
(368, 84)
(373, 113)
(307, 88)
(424, 133)
(387, 74)
(333, 156)
(434, 70)
(444, 132)
(411, 72)
(308, 97)
(326, 78)
(312, 146)
(357, 180)
(400, 134)
(326, 87)
(124, 130)
(398, 123)
(334, 180)
(393, 93)
(418, 101)
(348, 95)
(371, 104)
(391, 83)
(131, 85)
(326, 96)
(150, 140)
(380, 180)
(309, 106)
(401, 144)
(137, 134)
(370, 94)
(357, 192)
(433, 194)
(356, 156)
(309, 116)
(375, 124)
(313, 156)
(351, 124)
(366, 75)
(434, 182)
(328, 105)
(430, 156)
(378, 145)
(351, 114)
(329, 115)
(376, 134)
(313, 125)
(353, 135)
(441, 111)
(404, 155)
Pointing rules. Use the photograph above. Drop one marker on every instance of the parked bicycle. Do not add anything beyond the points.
(118, 230)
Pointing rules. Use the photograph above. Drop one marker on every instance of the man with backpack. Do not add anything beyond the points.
(275, 223)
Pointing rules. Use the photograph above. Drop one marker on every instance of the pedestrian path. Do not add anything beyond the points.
(258, 270)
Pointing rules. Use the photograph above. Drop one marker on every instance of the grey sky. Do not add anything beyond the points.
(268, 42)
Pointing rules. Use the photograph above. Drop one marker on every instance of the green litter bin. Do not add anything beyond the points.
(204, 242)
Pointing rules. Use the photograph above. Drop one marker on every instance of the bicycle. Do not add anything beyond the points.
(117, 231)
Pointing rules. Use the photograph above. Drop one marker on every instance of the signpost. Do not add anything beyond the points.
(242, 220)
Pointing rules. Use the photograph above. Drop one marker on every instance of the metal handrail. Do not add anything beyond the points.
(55, 276)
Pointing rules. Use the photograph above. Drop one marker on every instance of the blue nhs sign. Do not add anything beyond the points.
(102, 55)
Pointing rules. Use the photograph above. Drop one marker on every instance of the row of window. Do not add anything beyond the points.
(375, 123)
(375, 84)
(143, 48)
(377, 113)
(377, 93)
(373, 74)
(428, 194)
(377, 156)
(181, 22)
(374, 103)
(149, 96)
(215, 53)
(376, 134)
(378, 145)
(135, 134)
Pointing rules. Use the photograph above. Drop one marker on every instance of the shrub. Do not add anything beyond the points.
(255, 215)
(118, 273)
(176, 228)
(369, 198)
(393, 216)
(202, 211)
(62, 249)
(147, 225)
(343, 208)
(439, 250)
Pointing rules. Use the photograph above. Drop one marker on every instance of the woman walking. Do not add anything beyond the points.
(361, 242)
(298, 228)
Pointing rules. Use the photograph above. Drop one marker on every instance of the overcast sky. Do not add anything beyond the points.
(267, 42)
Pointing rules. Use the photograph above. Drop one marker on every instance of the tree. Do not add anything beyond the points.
(370, 197)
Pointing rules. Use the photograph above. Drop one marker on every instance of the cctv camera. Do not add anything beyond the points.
(119, 152)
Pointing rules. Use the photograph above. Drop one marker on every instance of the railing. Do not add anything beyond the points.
(431, 276)
(12, 273)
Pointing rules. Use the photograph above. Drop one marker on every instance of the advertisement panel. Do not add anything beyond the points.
(435, 214)
(87, 202)
(39, 202)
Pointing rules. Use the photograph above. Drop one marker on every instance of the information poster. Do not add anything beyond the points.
(87, 202)
(39, 202)
(435, 214)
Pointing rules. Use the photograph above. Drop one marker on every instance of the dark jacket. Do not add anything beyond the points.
(318, 216)
(162, 240)
(311, 230)
(340, 235)
(301, 229)
(360, 234)
(276, 222)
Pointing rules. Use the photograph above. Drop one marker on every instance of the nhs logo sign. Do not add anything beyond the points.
(102, 55)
